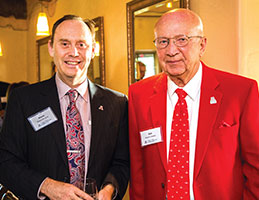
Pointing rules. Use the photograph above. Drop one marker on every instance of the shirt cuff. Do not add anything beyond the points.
(39, 194)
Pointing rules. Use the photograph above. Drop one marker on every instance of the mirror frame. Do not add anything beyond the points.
(133, 6)
(41, 42)
(99, 22)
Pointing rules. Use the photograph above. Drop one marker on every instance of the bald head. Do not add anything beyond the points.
(182, 20)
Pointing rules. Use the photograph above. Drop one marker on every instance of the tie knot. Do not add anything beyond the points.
(181, 93)
(72, 95)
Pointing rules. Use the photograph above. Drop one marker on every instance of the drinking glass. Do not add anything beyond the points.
(91, 188)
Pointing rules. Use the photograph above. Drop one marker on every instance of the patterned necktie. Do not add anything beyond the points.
(178, 162)
(75, 142)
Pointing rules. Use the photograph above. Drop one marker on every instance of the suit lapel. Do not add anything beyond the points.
(97, 117)
(158, 113)
(49, 92)
(210, 101)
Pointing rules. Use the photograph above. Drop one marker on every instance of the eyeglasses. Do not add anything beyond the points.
(179, 41)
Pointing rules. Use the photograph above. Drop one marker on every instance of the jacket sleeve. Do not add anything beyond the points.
(249, 139)
(136, 164)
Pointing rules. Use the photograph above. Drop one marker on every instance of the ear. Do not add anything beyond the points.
(203, 45)
(50, 48)
(93, 49)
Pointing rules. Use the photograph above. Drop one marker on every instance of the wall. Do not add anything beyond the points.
(13, 63)
(220, 21)
(249, 40)
(32, 53)
(232, 30)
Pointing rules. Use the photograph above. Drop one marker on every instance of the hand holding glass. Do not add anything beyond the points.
(91, 188)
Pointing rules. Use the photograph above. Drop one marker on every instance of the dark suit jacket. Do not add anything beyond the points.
(3, 88)
(226, 163)
(28, 157)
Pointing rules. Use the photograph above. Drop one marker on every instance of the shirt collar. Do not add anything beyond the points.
(63, 88)
(192, 88)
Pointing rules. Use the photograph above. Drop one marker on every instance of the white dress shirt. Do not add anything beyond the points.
(192, 88)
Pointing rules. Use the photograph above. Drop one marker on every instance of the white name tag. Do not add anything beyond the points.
(42, 119)
(151, 136)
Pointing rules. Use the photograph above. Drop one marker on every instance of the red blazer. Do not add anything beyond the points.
(227, 146)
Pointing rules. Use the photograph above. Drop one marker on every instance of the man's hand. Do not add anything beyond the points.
(106, 192)
(56, 190)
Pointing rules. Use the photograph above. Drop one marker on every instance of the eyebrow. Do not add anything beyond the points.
(84, 41)
(174, 36)
(63, 40)
(66, 40)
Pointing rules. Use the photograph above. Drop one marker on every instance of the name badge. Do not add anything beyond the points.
(151, 136)
(42, 119)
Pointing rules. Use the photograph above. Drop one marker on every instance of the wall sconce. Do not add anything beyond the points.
(42, 25)
(1, 51)
(97, 49)
(169, 5)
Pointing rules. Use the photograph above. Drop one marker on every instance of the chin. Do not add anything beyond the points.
(72, 71)
(175, 73)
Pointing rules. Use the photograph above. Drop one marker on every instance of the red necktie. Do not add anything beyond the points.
(178, 161)
(75, 142)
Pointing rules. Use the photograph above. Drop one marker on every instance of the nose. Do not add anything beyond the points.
(74, 51)
(172, 49)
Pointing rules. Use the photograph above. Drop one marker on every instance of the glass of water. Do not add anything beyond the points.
(91, 188)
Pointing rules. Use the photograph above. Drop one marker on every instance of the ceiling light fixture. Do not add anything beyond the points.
(97, 49)
(42, 25)
(169, 5)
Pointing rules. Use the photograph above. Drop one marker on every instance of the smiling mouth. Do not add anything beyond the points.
(72, 62)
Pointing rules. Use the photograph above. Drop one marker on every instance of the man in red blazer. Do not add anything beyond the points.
(223, 110)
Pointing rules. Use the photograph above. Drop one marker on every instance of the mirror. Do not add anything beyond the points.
(141, 18)
(96, 69)
(45, 64)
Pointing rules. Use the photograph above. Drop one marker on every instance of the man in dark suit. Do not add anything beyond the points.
(34, 159)
(193, 130)
(3, 88)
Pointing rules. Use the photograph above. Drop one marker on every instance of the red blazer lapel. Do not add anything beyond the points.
(210, 100)
(158, 113)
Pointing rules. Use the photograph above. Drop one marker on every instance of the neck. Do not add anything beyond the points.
(73, 82)
(178, 81)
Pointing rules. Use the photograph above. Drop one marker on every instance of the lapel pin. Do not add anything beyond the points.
(213, 100)
(100, 107)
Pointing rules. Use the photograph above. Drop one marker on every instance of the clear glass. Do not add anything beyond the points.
(91, 188)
